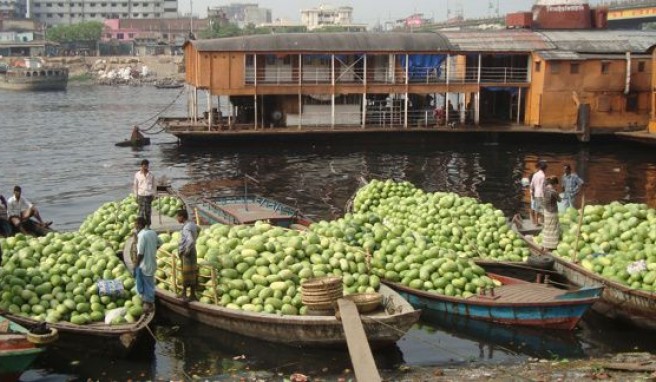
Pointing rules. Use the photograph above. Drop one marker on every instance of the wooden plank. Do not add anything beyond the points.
(649, 367)
(356, 339)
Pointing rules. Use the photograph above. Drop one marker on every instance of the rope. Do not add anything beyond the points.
(420, 339)
(160, 112)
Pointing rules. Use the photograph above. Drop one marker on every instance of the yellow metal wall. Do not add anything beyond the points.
(534, 96)
(604, 93)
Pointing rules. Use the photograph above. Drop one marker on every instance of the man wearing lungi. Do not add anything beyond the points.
(146, 264)
(187, 253)
(144, 190)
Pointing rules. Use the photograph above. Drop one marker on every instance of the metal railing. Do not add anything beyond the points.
(323, 76)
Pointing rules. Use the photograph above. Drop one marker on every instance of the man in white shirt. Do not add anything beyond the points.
(537, 190)
(144, 190)
(20, 210)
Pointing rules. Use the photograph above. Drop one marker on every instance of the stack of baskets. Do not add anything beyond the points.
(320, 294)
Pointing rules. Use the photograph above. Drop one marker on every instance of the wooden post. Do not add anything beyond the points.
(174, 274)
(214, 284)
(578, 230)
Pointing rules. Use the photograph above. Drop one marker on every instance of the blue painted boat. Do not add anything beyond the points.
(248, 209)
(514, 302)
(17, 352)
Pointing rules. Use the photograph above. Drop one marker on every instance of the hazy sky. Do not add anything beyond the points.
(372, 11)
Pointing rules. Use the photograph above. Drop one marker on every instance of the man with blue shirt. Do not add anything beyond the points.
(146, 264)
(571, 186)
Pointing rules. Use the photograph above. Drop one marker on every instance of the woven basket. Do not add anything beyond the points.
(314, 293)
(322, 283)
(42, 339)
(366, 302)
(321, 293)
(324, 298)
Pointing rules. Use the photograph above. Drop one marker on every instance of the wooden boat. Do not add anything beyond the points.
(618, 302)
(515, 302)
(248, 209)
(32, 74)
(116, 340)
(383, 327)
(17, 352)
(169, 84)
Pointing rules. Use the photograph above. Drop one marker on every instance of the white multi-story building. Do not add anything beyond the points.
(323, 16)
(54, 12)
(242, 14)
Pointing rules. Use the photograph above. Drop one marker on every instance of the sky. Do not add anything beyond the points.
(373, 11)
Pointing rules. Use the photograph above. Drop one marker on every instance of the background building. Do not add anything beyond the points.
(241, 14)
(72, 12)
(326, 16)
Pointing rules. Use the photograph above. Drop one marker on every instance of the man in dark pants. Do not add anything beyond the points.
(144, 190)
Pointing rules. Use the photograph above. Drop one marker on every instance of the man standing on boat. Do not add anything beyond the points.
(20, 210)
(537, 190)
(144, 190)
(187, 253)
(571, 186)
(551, 230)
(146, 264)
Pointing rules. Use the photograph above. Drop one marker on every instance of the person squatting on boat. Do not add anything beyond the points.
(20, 211)
(146, 264)
(187, 254)
(571, 186)
(144, 190)
(551, 230)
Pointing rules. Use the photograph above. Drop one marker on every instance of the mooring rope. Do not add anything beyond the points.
(160, 112)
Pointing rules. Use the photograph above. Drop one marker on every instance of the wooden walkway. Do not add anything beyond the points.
(529, 293)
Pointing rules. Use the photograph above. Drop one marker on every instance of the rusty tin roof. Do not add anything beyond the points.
(329, 42)
(601, 41)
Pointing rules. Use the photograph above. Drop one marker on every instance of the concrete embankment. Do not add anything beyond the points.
(157, 67)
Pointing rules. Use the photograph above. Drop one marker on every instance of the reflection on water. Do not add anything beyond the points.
(60, 148)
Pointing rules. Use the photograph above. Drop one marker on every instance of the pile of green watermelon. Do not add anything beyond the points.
(612, 238)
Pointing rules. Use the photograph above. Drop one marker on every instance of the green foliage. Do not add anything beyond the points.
(86, 31)
(216, 30)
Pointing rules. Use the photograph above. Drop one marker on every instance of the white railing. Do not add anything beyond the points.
(323, 75)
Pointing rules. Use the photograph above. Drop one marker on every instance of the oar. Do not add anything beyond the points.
(578, 230)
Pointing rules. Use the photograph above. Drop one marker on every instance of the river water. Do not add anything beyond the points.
(60, 148)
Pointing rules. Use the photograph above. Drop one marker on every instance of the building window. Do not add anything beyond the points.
(605, 67)
(119, 36)
(130, 35)
(555, 67)
(250, 60)
(641, 66)
(538, 66)
(574, 68)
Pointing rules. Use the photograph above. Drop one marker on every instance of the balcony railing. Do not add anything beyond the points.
(323, 76)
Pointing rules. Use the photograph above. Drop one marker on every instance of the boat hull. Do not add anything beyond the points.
(556, 313)
(115, 340)
(298, 331)
(34, 84)
(16, 351)
(617, 302)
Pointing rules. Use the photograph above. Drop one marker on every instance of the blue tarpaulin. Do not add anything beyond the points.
(421, 66)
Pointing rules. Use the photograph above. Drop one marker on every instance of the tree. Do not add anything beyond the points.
(86, 31)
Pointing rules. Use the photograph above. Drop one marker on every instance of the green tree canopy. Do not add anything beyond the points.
(86, 31)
